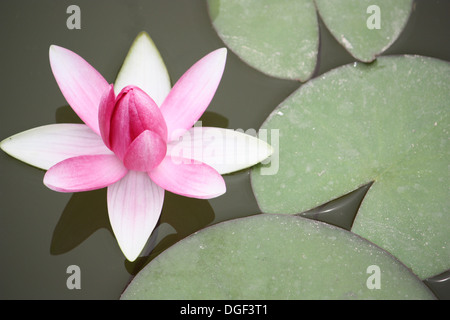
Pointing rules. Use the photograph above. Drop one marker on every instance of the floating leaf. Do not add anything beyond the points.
(385, 122)
(365, 28)
(278, 38)
(275, 257)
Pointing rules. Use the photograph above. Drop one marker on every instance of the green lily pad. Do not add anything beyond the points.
(386, 122)
(278, 38)
(365, 28)
(275, 257)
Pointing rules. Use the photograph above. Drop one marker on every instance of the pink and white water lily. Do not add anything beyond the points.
(138, 138)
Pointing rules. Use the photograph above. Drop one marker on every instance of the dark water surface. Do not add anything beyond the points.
(43, 232)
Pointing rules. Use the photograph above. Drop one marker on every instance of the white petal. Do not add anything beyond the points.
(45, 146)
(134, 207)
(192, 93)
(225, 150)
(144, 68)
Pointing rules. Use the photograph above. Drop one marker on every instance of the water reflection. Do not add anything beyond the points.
(86, 212)
(184, 216)
(440, 285)
(65, 114)
(340, 212)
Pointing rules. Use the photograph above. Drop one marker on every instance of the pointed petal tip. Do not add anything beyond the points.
(11, 148)
(220, 54)
(84, 173)
(143, 34)
(134, 207)
(269, 150)
(194, 91)
(4, 143)
(52, 51)
(43, 147)
(145, 68)
(131, 254)
(47, 181)
(55, 49)
(81, 84)
(220, 190)
(222, 51)
(143, 37)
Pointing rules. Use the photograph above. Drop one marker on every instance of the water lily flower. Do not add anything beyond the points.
(137, 139)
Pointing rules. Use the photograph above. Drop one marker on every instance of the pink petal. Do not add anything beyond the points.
(188, 178)
(84, 173)
(134, 113)
(105, 112)
(80, 83)
(144, 68)
(134, 207)
(145, 152)
(45, 146)
(192, 93)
